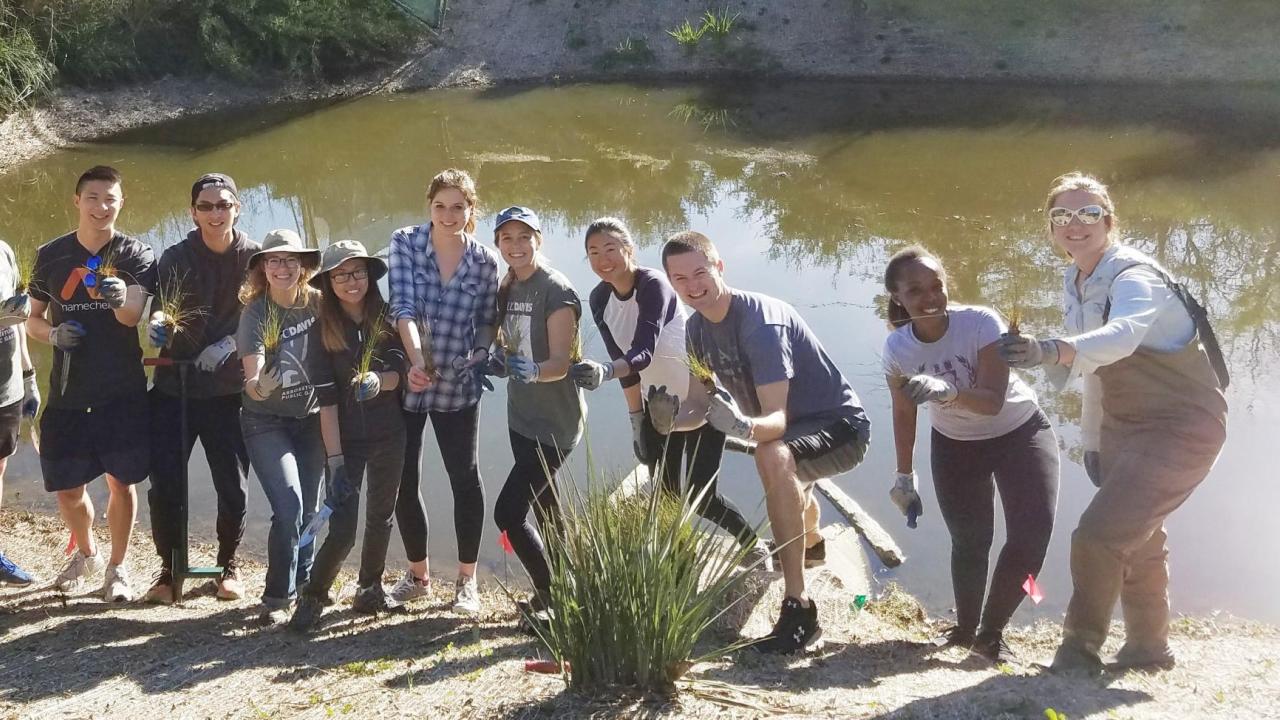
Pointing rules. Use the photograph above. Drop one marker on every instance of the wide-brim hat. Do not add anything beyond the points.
(285, 240)
(344, 250)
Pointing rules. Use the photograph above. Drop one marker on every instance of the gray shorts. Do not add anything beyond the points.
(837, 448)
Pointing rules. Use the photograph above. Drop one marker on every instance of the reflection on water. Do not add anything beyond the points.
(807, 188)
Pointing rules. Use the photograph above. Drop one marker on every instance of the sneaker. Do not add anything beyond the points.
(272, 616)
(813, 556)
(759, 557)
(991, 645)
(372, 600)
(955, 636)
(161, 591)
(1073, 660)
(307, 617)
(230, 586)
(797, 629)
(408, 588)
(466, 598)
(11, 574)
(115, 585)
(76, 574)
(535, 617)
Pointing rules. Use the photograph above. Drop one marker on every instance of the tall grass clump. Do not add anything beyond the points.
(173, 303)
(687, 34)
(271, 329)
(634, 585)
(371, 335)
(26, 263)
(719, 23)
(25, 70)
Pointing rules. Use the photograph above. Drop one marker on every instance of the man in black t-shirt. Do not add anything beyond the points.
(201, 277)
(88, 292)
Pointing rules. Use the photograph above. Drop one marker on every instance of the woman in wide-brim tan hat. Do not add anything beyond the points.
(368, 367)
(289, 415)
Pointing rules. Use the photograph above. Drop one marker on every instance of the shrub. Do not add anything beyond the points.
(634, 583)
(25, 72)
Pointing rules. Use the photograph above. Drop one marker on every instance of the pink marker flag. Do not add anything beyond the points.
(1032, 589)
(71, 546)
(504, 542)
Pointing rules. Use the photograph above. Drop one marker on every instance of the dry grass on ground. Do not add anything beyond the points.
(78, 657)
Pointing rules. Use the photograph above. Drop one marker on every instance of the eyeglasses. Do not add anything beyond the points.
(205, 207)
(288, 262)
(1088, 215)
(345, 277)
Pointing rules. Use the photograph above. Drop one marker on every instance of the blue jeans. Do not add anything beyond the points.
(288, 456)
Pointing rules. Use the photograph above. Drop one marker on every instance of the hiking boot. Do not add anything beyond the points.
(12, 575)
(408, 588)
(76, 574)
(797, 629)
(1142, 660)
(991, 645)
(1072, 660)
(230, 586)
(954, 636)
(272, 616)
(466, 598)
(307, 617)
(161, 591)
(759, 557)
(115, 585)
(373, 599)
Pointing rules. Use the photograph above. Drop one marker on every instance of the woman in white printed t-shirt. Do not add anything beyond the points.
(642, 324)
(986, 424)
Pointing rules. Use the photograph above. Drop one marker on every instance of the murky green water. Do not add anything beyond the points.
(806, 188)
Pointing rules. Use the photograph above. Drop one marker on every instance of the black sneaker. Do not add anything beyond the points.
(307, 617)
(955, 636)
(813, 556)
(797, 629)
(991, 645)
(373, 600)
(535, 615)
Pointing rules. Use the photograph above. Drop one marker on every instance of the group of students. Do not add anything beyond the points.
(334, 387)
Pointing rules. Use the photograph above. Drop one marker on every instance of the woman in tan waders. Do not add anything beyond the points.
(1154, 421)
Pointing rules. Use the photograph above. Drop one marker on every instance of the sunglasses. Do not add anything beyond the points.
(1088, 215)
(91, 278)
(342, 278)
(205, 207)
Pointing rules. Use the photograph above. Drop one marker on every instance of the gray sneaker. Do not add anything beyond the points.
(272, 616)
(759, 557)
(77, 573)
(115, 586)
(306, 618)
(408, 588)
(466, 598)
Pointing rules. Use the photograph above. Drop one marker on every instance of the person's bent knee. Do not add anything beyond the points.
(773, 460)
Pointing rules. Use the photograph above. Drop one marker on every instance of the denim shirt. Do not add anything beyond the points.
(1144, 314)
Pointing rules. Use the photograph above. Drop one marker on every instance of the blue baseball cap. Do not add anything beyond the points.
(515, 212)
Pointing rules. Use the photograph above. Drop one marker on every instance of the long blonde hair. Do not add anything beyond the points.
(255, 285)
(1076, 180)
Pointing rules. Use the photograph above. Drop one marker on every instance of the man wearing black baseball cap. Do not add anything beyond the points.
(194, 316)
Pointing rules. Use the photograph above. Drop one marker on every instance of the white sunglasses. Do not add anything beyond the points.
(1088, 215)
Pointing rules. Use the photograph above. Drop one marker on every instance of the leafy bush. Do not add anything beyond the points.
(25, 73)
(634, 584)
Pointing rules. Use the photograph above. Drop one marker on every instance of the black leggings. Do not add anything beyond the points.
(529, 486)
(1024, 463)
(457, 434)
(701, 450)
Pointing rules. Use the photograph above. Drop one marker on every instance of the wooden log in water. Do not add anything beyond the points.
(876, 536)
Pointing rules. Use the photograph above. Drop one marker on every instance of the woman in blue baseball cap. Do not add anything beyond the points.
(538, 313)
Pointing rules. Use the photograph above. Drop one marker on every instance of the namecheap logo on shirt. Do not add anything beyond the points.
(74, 278)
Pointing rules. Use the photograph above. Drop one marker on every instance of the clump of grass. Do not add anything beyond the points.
(428, 351)
(510, 342)
(701, 370)
(687, 34)
(173, 303)
(719, 23)
(634, 585)
(25, 71)
(26, 270)
(271, 328)
(371, 336)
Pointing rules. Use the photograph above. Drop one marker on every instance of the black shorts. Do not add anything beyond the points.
(837, 448)
(10, 427)
(78, 445)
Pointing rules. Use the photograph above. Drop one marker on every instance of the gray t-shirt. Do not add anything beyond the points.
(10, 360)
(763, 340)
(305, 370)
(548, 412)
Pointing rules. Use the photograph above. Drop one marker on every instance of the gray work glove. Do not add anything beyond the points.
(724, 415)
(663, 409)
(1093, 466)
(638, 444)
(160, 330)
(212, 357)
(113, 290)
(368, 386)
(589, 374)
(15, 309)
(269, 381)
(496, 365)
(30, 395)
(66, 336)
(905, 495)
(1024, 351)
(927, 388)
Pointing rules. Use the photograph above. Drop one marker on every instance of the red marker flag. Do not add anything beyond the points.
(504, 542)
(71, 546)
(1032, 589)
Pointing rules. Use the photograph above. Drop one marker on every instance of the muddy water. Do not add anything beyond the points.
(806, 188)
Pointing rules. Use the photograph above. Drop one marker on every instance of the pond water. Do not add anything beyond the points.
(806, 187)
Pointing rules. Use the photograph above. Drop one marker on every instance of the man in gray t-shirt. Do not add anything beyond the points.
(781, 391)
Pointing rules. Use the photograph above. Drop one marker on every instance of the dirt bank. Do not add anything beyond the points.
(78, 657)
(511, 41)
